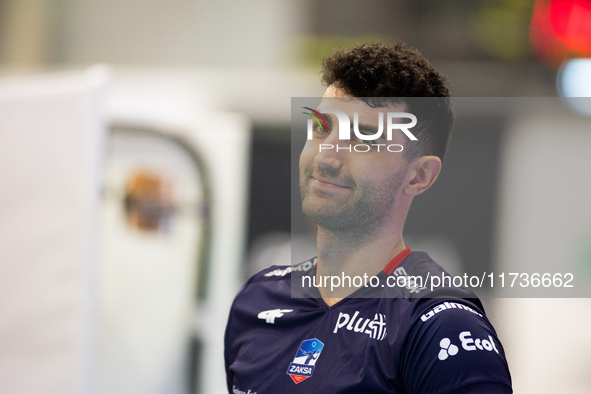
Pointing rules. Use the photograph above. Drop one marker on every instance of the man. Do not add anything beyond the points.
(387, 334)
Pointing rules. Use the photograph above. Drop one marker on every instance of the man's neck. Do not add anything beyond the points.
(353, 256)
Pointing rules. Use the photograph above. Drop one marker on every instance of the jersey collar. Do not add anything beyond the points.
(391, 266)
(396, 261)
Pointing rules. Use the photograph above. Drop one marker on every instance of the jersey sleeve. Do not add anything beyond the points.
(453, 348)
(228, 351)
(235, 326)
(230, 332)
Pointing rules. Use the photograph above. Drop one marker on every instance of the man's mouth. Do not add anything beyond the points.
(329, 183)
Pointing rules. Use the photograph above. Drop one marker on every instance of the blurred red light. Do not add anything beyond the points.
(561, 29)
(571, 22)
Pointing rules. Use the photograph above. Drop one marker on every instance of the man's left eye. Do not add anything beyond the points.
(365, 141)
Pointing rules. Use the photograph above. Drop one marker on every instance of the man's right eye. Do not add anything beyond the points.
(319, 129)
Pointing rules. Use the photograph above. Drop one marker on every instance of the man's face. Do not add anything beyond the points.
(345, 191)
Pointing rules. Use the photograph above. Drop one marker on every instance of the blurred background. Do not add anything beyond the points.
(144, 153)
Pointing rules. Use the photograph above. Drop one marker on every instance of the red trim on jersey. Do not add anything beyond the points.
(395, 262)
(391, 266)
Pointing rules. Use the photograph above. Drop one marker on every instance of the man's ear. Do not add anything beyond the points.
(423, 172)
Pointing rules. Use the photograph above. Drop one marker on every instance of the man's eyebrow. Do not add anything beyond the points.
(367, 128)
(328, 119)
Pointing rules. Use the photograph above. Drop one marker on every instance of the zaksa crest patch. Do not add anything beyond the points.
(303, 364)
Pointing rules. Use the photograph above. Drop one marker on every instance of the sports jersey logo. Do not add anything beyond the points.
(469, 344)
(412, 283)
(236, 390)
(447, 306)
(272, 314)
(305, 359)
(305, 266)
(376, 328)
(447, 349)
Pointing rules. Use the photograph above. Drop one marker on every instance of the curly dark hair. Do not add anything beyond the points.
(383, 74)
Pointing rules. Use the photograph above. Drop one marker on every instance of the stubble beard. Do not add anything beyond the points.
(360, 215)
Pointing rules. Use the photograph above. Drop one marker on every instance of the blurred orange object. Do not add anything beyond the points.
(148, 201)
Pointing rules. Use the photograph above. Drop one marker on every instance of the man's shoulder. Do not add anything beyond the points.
(268, 291)
(283, 272)
(450, 335)
(418, 264)
(418, 277)
(273, 281)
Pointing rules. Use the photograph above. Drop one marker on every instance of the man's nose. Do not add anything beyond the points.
(331, 152)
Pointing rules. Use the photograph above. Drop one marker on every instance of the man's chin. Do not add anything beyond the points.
(328, 217)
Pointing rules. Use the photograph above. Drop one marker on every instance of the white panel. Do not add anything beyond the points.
(51, 134)
(545, 226)
(222, 141)
(148, 276)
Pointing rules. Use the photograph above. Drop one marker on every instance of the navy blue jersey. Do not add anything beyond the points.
(408, 342)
